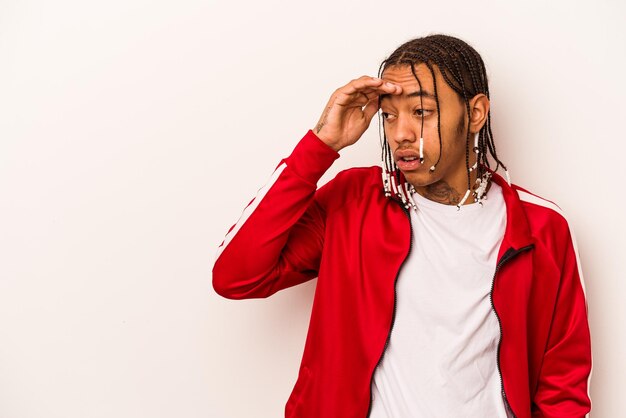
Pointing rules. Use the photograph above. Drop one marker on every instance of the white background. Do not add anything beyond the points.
(134, 132)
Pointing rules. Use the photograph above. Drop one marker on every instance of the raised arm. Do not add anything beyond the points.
(278, 240)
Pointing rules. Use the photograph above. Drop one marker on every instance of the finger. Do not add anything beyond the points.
(370, 88)
(362, 83)
(370, 110)
(386, 88)
(360, 99)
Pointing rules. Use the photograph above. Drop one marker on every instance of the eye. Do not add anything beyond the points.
(386, 116)
(421, 112)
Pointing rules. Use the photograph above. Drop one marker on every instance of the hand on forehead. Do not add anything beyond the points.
(414, 83)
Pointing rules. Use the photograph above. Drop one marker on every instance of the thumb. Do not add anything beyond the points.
(370, 109)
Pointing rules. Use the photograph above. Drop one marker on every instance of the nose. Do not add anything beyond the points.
(404, 130)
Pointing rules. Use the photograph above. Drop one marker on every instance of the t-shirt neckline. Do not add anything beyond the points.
(421, 201)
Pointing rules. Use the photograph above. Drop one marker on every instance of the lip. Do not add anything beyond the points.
(407, 165)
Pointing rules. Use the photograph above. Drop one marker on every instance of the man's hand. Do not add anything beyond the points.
(350, 110)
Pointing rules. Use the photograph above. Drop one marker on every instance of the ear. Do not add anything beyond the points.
(479, 107)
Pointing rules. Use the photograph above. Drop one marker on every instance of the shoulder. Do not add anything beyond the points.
(358, 176)
(538, 207)
(355, 183)
(546, 219)
(551, 229)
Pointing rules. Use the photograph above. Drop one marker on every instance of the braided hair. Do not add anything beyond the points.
(463, 70)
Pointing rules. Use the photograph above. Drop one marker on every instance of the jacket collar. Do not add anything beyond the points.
(517, 231)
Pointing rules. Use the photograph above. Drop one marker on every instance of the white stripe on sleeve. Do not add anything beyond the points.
(531, 198)
(251, 208)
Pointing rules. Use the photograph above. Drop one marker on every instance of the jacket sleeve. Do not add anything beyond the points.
(277, 242)
(566, 368)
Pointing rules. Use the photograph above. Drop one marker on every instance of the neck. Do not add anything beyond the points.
(449, 192)
(441, 192)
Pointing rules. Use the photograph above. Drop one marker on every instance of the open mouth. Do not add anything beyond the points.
(408, 162)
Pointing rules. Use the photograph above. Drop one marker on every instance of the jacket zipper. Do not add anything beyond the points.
(508, 255)
(393, 316)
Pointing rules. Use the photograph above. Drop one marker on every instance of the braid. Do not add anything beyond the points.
(453, 58)
(419, 83)
(463, 69)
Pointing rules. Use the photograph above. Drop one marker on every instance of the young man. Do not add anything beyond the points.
(443, 290)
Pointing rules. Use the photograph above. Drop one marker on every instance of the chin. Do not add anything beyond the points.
(420, 179)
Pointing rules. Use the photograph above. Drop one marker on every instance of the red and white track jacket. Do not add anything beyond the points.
(354, 239)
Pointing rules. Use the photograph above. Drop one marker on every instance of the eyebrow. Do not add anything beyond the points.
(418, 93)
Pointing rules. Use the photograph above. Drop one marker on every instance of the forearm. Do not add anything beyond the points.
(277, 241)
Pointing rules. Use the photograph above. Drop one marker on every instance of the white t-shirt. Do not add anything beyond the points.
(441, 359)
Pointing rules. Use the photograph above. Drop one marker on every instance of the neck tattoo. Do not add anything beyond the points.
(441, 192)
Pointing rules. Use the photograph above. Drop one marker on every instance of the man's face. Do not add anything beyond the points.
(402, 116)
